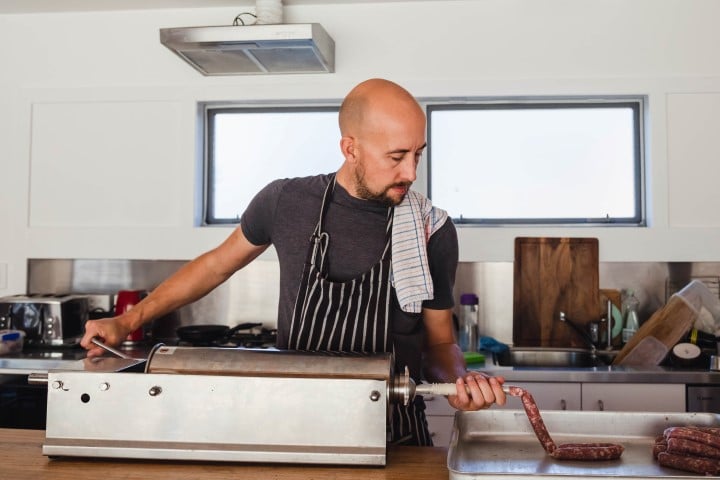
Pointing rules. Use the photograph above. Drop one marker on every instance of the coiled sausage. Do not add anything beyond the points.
(568, 451)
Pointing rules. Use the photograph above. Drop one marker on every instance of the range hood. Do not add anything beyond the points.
(253, 49)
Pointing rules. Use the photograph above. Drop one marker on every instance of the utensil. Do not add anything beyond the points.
(110, 349)
(445, 389)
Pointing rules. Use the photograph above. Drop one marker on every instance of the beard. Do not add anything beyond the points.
(364, 192)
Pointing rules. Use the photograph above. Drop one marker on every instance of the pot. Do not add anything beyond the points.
(205, 334)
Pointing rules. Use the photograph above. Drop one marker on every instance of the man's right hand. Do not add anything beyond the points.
(111, 331)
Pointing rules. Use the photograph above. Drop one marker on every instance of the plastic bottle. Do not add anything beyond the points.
(469, 316)
(631, 324)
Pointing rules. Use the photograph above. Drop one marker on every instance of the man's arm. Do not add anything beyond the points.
(444, 362)
(191, 282)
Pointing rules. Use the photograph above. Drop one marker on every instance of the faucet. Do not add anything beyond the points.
(583, 334)
(609, 325)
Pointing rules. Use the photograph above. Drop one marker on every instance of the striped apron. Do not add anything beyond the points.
(352, 316)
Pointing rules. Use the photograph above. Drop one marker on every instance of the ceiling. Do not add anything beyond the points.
(42, 6)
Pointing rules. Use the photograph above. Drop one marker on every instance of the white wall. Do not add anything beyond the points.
(98, 121)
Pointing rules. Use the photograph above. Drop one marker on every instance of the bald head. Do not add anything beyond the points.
(370, 96)
(383, 136)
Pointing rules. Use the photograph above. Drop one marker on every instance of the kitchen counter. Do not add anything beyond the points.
(606, 374)
(72, 359)
(21, 458)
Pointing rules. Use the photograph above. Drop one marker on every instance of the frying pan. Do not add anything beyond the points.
(210, 333)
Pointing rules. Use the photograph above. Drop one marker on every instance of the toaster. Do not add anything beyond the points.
(47, 320)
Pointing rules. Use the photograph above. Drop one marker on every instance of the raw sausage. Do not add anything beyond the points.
(660, 445)
(588, 451)
(682, 446)
(568, 451)
(533, 413)
(705, 466)
(693, 434)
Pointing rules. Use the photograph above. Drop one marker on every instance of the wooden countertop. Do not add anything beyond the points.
(21, 458)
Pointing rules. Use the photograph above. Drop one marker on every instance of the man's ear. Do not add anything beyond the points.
(348, 148)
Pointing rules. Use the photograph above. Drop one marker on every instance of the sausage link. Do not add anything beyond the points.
(533, 414)
(710, 430)
(588, 451)
(693, 434)
(569, 451)
(658, 448)
(704, 466)
(682, 446)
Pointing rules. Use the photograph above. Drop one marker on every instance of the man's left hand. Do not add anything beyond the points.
(476, 391)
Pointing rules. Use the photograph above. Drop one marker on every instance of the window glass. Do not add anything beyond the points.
(248, 148)
(539, 162)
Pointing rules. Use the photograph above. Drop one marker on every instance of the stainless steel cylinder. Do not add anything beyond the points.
(269, 363)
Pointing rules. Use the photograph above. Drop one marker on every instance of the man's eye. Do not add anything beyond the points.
(397, 159)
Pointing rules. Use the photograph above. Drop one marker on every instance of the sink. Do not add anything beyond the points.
(548, 357)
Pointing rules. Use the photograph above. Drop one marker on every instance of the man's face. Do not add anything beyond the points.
(388, 152)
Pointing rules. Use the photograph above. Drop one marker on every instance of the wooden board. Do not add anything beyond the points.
(666, 327)
(553, 275)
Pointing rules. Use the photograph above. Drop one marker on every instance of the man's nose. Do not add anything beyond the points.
(409, 169)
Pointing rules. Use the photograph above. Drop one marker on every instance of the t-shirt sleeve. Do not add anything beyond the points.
(258, 219)
(443, 259)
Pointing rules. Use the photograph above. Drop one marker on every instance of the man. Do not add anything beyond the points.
(366, 264)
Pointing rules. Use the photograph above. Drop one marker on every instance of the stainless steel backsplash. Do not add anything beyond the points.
(251, 294)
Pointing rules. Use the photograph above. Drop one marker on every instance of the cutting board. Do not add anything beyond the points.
(654, 339)
(553, 275)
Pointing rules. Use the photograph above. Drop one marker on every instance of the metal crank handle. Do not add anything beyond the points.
(444, 389)
(110, 349)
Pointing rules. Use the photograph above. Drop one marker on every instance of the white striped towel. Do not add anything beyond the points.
(414, 222)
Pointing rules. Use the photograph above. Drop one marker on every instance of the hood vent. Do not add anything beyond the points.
(253, 49)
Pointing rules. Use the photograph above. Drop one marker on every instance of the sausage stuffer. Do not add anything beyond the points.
(226, 404)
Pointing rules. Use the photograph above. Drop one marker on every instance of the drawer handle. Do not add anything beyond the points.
(601, 405)
(563, 404)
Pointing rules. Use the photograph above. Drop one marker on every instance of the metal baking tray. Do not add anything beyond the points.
(500, 444)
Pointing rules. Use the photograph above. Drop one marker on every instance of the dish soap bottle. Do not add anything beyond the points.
(630, 316)
(469, 313)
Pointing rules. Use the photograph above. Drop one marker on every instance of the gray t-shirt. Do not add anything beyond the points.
(285, 214)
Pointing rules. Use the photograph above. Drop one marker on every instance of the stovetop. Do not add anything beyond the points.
(265, 338)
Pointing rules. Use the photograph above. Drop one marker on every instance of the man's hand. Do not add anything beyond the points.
(110, 330)
(476, 391)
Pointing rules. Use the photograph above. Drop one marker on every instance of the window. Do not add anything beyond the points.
(537, 161)
(246, 148)
(559, 162)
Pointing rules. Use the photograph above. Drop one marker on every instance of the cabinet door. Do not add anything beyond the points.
(548, 396)
(634, 397)
(440, 417)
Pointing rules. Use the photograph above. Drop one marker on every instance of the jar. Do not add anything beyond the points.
(468, 322)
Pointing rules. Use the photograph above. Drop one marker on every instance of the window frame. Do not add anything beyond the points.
(636, 103)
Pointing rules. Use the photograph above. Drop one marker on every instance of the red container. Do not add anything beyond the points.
(125, 300)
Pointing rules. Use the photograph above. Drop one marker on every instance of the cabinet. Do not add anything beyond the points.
(634, 397)
(628, 397)
(548, 396)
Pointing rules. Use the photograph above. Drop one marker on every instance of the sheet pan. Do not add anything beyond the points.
(500, 444)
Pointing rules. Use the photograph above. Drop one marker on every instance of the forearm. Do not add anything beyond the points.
(443, 363)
